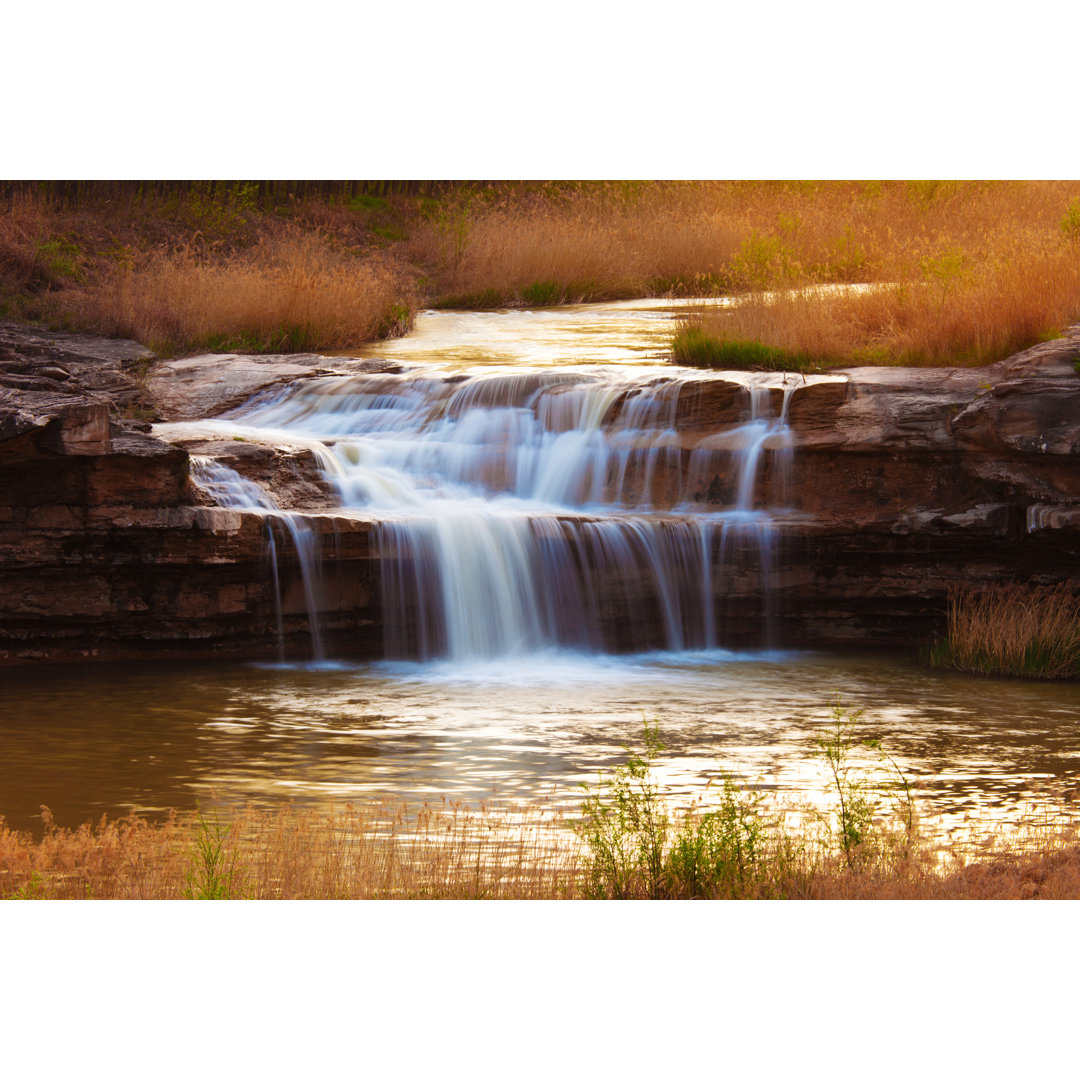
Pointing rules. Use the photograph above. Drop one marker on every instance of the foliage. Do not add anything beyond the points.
(946, 271)
(763, 261)
(60, 259)
(219, 210)
(860, 790)
(639, 850)
(1023, 631)
(543, 293)
(1070, 223)
(696, 346)
(626, 825)
(213, 871)
(722, 853)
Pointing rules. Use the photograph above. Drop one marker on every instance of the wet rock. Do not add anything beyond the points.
(291, 474)
(198, 387)
(900, 485)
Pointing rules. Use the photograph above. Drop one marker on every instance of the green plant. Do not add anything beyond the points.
(220, 210)
(397, 320)
(696, 347)
(762, 262)
(722, 852)
(625, 825)
(1070, 223)
(34, 888)
(543, 294)
(860, 790)
(367, 203)
(60, 259)
(212, 872)
(948, 270)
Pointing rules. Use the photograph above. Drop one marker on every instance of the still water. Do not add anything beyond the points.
(106, 739)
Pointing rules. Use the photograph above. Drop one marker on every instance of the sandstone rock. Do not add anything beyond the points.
(198, 387)
(901, 485)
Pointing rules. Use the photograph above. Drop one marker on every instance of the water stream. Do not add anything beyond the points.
(551, 571)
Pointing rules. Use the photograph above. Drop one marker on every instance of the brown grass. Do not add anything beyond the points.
(450, 852)
(285, 294)
(441, 852)
(202, 271)
(1020, 630)
(980, 269)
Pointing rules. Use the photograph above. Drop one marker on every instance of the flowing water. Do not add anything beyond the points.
(550, 573)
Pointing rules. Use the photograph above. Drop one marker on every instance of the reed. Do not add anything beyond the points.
(442, 851)
(287, 294)
(957, 318)
(448, 851)
(975, 270)
(1025, 631)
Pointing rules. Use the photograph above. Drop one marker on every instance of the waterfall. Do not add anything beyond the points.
(518, 512)
(229, 489)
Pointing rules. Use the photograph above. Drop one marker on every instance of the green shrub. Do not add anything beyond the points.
(1070, 223)
(543, 294)
(861, 835)
(721, 853)
(626, 825)
(213, 871)
(695, 347)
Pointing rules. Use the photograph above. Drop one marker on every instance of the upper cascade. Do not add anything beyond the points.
(572, 441)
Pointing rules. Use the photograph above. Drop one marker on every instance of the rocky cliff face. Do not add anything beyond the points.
(903, 485)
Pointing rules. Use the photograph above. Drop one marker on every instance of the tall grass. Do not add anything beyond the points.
(728, 846)
(285, 294)
(955, 318)
(446, 851)
(978, 269)
(1018, 630)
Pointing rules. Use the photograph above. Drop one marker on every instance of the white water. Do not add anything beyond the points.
(522, 508)
(520, 511)
(229, 489)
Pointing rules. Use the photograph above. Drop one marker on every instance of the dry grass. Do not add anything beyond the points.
(980, 269)
(285, 294)
(376, 852)
(1020, 630)
(202, 271)
(450, 852)
(969, 320)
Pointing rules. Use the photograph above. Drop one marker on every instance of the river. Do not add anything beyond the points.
(512, 467)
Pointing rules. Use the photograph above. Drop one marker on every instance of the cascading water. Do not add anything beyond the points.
(229, 489)
(523, 511)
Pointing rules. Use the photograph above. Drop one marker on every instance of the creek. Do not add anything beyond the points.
(550, 574)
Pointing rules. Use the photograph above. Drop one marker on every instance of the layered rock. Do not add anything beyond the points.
(903, 485)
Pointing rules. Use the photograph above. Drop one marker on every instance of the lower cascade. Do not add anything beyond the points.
(518, 512)
(229, 489)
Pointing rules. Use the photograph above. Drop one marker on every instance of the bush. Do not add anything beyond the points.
(1030, 632)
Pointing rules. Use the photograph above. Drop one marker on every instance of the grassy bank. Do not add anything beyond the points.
(456, 853)
(1023, 631)
(976, 269)
(625, 841)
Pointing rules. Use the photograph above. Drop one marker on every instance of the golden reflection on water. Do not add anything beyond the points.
(105, 739)
(627, 332)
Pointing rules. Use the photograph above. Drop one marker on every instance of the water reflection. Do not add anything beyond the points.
(93, 740)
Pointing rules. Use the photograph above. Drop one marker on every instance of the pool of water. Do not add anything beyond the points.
(106, 739)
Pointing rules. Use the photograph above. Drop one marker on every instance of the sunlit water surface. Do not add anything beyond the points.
(105, 739)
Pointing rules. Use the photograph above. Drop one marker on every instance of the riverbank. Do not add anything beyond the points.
(976, 270)
(449, 851)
